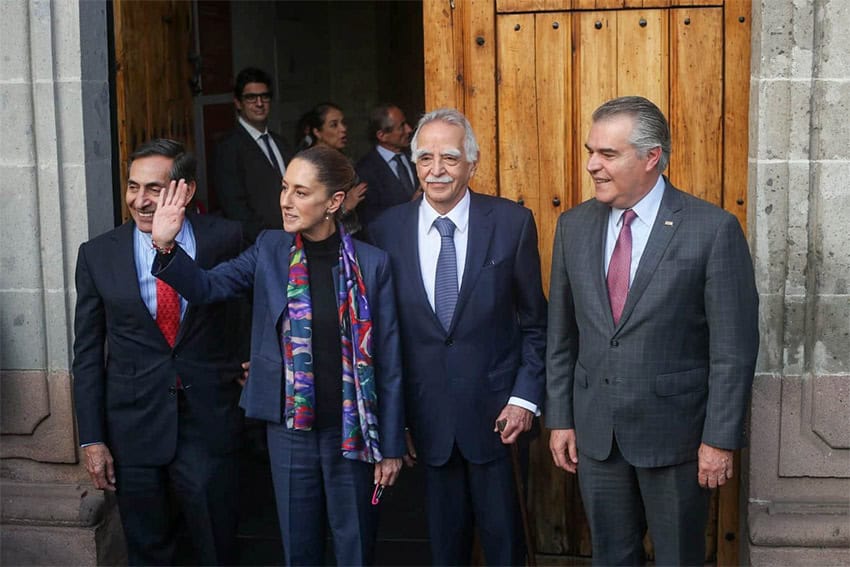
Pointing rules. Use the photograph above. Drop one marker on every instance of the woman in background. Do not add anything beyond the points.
(328, 128)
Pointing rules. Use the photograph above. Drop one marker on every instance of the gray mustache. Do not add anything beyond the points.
(443, 179)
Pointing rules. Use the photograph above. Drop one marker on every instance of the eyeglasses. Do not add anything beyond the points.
(254, 97)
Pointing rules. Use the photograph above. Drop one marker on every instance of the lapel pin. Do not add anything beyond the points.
(668, 223)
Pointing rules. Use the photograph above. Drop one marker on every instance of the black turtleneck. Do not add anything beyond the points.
(322, 257)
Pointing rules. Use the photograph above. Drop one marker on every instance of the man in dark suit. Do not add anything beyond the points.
(386, 168)
(652, 343)
(154, 379)
(250, 160)
(473, 322)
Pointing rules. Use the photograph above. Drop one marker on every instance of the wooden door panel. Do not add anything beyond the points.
(696, 101)
(480, 92)
(152, 46)
(553, 78)
(642, 55)
(518, 135)
(595, 81)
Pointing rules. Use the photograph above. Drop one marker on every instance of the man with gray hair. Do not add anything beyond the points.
(652, 343)
(472, 318)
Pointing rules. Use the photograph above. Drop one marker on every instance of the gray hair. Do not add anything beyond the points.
(650, 126)
(455, 118)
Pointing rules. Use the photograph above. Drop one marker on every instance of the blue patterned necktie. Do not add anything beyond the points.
(445, 284)
(272, 157)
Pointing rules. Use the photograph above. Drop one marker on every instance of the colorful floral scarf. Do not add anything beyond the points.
(359, 395)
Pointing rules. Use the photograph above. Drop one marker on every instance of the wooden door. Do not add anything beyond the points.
(529, 73)
(152, 42)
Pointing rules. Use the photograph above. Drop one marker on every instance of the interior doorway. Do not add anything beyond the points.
(355, 54)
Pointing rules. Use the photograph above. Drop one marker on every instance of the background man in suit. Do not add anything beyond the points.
(652, 343)
(250, 159)
(154, 380)
(386, 168)
(473, 324)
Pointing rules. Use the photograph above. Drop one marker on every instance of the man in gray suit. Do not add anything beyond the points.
(652, 343)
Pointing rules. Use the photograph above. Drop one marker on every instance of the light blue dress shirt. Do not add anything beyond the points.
(144, 254)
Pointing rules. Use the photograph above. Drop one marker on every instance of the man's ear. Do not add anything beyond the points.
(190, 190)
(652, 158)
(380, 135)
(237, 103)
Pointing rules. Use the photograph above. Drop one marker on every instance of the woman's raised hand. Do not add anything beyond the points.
(170, 212)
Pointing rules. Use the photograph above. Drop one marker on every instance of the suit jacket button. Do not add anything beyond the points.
(615, 343)
(449, 342)
(172, 390)
(607, 381)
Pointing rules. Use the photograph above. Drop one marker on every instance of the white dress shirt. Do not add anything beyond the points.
(429, 250)
(256, 135)
(646, 210)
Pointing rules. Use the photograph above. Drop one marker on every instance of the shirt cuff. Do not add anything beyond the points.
(84, 445)
(524, 404)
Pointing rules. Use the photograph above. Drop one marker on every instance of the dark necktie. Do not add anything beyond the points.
(272, 158)
(445, 284)
(403, 175)
(168, 314)
(620, 266)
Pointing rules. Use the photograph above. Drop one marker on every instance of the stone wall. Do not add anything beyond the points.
(799, 475)
(56, 190)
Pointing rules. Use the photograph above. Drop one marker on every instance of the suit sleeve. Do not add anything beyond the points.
(225, 281)
(731, 309)
(388, 367)
(531, 315)
(232, 192)
(89, 356)
(562, 339)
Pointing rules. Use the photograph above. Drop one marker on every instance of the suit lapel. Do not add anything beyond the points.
(280, 261)
(254, 148)
(665, 227)
(125, 276)
(599, 227)
(480, 234)
(409, 237)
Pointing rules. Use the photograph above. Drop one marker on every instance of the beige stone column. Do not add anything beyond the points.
(56, 191)
(799, 223)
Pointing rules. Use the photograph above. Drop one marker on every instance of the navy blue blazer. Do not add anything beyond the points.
(264, 267)
(457, 381)
(124, 369)
(385, 190)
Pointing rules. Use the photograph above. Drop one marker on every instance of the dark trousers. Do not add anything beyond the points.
(461, 495)
(315, 484)
(203, 486)
(621, 501)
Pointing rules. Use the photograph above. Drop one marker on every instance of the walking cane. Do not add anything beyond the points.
(531, 556)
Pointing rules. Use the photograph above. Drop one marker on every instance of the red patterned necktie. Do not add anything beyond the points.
(619, 268)
(168, 314)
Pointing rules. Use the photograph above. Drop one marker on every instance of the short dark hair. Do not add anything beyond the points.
(379, 120)
(333, 170)
(316, 116)
(184, 166)
(251, 75)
